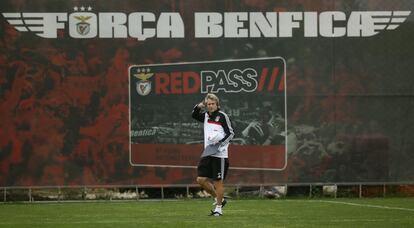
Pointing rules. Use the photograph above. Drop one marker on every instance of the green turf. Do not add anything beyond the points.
(385, 212)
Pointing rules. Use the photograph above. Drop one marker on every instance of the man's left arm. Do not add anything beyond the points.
(228, 130)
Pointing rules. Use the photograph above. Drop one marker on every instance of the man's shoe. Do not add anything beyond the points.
(215, 213)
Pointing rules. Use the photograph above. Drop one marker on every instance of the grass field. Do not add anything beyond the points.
(325, 212)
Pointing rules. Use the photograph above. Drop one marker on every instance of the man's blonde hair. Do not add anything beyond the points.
(212, 97)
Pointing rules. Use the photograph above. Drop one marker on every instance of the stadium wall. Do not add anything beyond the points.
(338, 108)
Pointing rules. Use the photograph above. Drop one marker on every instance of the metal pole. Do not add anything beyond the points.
(261, 191)
(162, 192)
(59, 194)
(286, 187)
(137, 191)
(360, 191)
(310, 190)
(188, 191)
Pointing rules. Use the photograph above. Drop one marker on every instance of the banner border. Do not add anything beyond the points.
(198, 62)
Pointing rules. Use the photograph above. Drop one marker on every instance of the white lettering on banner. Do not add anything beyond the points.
(136, 28)
(170, 25)
(144, 25)
(107, 25)
(234, 25)
(145, 132)
(208, 25)
(368, 23)
(358, 24)
(289, 20)
(261, 24)
(235, 81)
(113, 25)
(310, 24)
(326, 21)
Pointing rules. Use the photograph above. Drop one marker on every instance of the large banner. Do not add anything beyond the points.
(252, 92)
(101, 92)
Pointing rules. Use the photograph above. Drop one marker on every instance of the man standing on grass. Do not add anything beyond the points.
(214, 161)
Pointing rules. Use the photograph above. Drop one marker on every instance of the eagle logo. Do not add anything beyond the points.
(143, 86)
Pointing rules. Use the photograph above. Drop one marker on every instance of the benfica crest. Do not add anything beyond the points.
(83, 27)
(143, 87)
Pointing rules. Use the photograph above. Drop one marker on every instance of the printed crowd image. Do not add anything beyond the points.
(102, 92)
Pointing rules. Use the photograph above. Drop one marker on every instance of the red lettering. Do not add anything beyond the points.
(176, 82)
(262, 79)
(282, 84)
(273, 79)
(194, 85)
(162, 80)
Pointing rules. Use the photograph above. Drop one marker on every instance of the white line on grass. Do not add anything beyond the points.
(366, 205)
